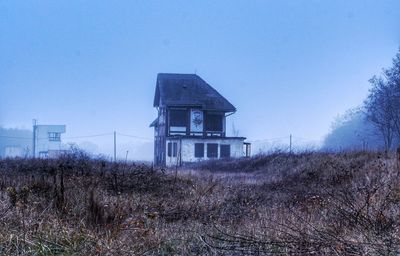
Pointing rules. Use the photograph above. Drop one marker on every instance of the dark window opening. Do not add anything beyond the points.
(178, 121)
(43, 154)
(225, 151)
(212, 150)
(178, 117)
(214, 122)
(169, 149)
(172, 149)
(199, 150)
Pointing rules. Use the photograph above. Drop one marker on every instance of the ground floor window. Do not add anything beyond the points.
(172, 149)
(225, 151)
(44, 154)
(199, 150)
(212, 150)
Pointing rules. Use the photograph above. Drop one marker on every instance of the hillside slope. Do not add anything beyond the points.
(310, 203)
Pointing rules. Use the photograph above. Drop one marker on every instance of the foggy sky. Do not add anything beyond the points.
(288, 67)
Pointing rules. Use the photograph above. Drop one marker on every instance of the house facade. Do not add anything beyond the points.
(47, 140)
(191, 122)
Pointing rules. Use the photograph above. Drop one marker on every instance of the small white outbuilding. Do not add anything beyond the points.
(47, 140)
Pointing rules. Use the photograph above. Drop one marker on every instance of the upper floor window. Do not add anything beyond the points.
(54, 136)
(178, 121)
(178, 117)
(214, 122)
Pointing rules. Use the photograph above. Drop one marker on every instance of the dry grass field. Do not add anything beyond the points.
(277, 204)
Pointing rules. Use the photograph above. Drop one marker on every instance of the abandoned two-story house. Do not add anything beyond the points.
(191, 122)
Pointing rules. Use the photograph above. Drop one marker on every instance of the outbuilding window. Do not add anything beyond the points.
(54, 136)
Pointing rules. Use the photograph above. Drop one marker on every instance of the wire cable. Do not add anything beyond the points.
(14, 137)
(134, 136)
(272, 139)
(89, 136)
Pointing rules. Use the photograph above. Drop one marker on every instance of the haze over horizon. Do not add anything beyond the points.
(289, 67)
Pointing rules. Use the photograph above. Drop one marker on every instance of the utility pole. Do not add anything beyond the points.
(34, 138)
(290, 144)
(115, 146)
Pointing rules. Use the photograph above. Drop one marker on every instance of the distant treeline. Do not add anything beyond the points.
(352, 131)
(376, 124)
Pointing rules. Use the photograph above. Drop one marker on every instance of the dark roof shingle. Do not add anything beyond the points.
(188, 90)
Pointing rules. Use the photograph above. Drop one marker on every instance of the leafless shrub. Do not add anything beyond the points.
(345, 204)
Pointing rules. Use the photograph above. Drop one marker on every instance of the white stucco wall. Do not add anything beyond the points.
(43, 144)
(14, 151)
(186, 147)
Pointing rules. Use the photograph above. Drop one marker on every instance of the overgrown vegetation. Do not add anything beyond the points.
(294, 204)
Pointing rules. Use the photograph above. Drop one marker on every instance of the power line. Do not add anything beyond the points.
(24, 138)
(272, 139)
(134, 136)
(307, 140)
(146, 138)
(279, 139)
(89, 136)
(14, 137)
(79, 137)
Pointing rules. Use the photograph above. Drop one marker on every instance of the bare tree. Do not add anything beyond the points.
(383, 103)
(392, 76)
(379, 109)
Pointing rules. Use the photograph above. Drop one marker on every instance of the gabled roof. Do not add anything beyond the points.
(188, 90)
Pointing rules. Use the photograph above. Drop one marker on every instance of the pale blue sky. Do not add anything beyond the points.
(288, 66)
